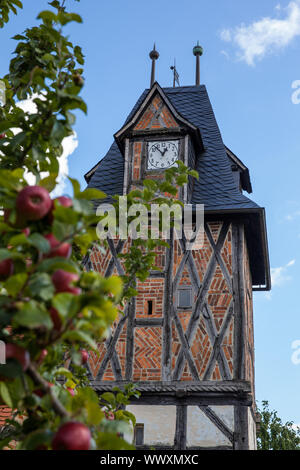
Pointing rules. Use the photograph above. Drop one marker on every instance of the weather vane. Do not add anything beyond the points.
(175, 74)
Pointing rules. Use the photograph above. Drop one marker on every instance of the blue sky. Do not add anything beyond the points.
(251, 58)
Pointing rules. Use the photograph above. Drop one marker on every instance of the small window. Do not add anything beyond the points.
(139, 434)
(184, 298)
(150, 307)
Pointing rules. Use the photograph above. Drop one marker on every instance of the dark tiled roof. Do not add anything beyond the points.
(216, 187)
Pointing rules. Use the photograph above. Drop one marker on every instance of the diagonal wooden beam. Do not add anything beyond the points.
(166, 368)
(185, 346)
(156, 114)
(217, 352)
(191, 265)
(218, 255)
(201, 298)
(112, 344)
(217, 421)
(114, 253)
(182, 337)
(130, 339)
(210, 324)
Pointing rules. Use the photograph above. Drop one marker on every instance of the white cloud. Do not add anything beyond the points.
(280, 276)
(266, 35)
(69, 144)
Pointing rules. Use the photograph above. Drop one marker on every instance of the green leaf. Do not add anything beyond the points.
(110, 441)
(11, 370)
(71, 118)
(65, 303)
(91, 193)
(39, 242)
(194, 173)
(15, 283)
(40, 437)
(75, 17)
(150, 184)
(94, 414)
(47, 15)
(58, 132)
(130, 417)
(32, 315)
(65, 18)
(65, 214)
(40, 285)
(110, 398)
(76, 335)
(4, 254)
(181, 179)
(62, 230)
(17, 140)
(62, 371)
(52, 264)
(49, 182)
(20, 239)
(17, 2)
(75, 185)
(5, 395)
(82, 206)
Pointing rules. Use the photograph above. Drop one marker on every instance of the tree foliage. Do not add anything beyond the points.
(48, 324)
(6, 7)
(274, 434)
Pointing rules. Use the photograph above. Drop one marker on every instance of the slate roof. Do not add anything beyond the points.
(216, 188)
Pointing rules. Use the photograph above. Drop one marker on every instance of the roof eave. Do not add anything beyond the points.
(245, 174)
(262, 230)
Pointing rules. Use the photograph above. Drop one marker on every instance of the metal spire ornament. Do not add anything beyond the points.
(197, 51)
(154, 55)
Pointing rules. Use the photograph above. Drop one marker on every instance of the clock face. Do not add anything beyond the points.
(162, 154)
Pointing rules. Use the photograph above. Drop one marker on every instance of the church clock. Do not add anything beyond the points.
(162, 154)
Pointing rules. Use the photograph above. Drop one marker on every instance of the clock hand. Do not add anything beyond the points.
(158, 150)
(165, 150)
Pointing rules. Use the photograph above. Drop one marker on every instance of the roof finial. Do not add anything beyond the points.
(154, 55)
(197, 51)
(175, 74)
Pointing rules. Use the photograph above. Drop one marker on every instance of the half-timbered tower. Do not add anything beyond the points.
(186, 340)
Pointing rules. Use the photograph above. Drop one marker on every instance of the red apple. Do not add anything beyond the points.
(13, 351)
(64, 201)
(72, 436)
(57, 248)
(56, 320)
(33, 202)
(6, 268)
(62, 281)
(2, 136)
(84, 356)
